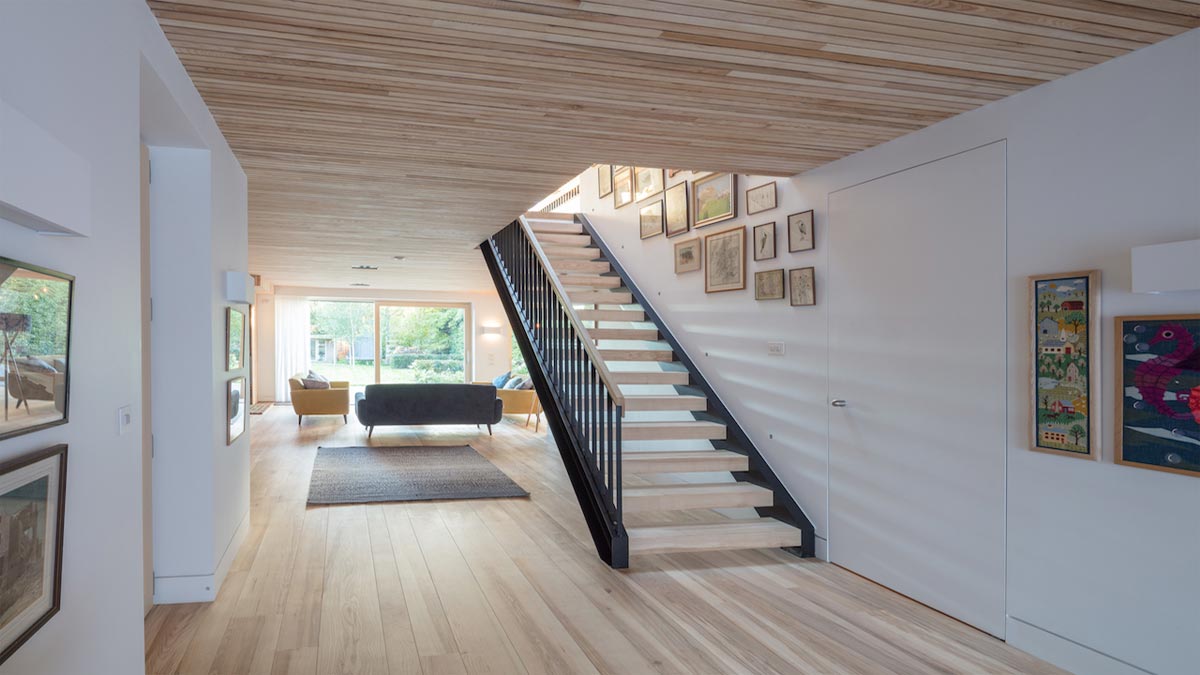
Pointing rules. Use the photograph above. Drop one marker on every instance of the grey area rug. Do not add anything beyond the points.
(358, 475)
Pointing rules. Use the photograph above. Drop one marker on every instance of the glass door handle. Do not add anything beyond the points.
(838, 403)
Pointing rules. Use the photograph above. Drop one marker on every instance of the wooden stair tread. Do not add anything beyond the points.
(574, 252)
(662, 402)
(563, 239)
(637, 354)
(600, 297)
(549, 215)
(611, 315)
(650, 376)
(687, 496)
(672, 430)
(731, 535)
(683, 461)
(569, 265)
(650, 334)
(570, 281)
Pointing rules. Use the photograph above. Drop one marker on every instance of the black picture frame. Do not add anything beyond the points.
(760, 237)
(66, 372)
(809, 218)
(60, 495)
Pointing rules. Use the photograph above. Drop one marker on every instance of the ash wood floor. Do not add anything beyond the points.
(514, 586)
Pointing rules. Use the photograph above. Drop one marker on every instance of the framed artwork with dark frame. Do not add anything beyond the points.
(761, 198)
(1158, 392)
(687, 255)
(768, 285)
(622, 191)
(650, 219)
(33, 490)
(676, 209)
(604, 179)
(235, 409)
(35, 346)
(802, 286)
(1064, 311)
(647, 182)
(714, 199)
(801, 232)
(725, 260)
(764, 241)
(235, 338)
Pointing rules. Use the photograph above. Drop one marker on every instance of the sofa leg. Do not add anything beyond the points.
(489, 430)
(345, 419)
(299, 419)
(370, 430)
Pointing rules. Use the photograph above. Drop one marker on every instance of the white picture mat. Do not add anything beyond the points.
(48, 467)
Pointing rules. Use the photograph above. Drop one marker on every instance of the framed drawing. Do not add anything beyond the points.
(687, 255)
(35, 341)
(802, 286)
(760, 198)
(725, 261)
(801, 235)
(1065, 327)
(676, 208)
(622, 186)
(714, 198)
(650, 219)
(32, 493)
(235, 338)
(604, 179)
(768, 285)
(764, 241)
(235, 409)
(1158, 392)
(647, 182)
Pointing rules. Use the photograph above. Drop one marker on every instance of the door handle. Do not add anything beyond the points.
(838, 403)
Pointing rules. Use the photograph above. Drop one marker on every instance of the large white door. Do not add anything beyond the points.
(916, 294)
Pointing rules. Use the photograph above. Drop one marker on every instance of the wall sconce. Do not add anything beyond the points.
(489, 331)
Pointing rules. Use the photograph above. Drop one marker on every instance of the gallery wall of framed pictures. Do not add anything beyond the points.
(676, 201)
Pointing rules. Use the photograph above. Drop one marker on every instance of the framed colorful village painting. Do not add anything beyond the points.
(1158, 392)
(1065, 313)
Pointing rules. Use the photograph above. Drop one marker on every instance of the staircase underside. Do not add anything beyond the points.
(676, 458)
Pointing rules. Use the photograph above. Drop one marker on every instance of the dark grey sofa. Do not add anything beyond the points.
(396, 404)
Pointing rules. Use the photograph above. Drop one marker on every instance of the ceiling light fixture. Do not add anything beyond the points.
(365, 267)
(360, 284)
(398, 257)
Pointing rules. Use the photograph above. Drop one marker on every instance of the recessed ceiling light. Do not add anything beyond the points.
(359, 284)
(398, 257)
(365, 267)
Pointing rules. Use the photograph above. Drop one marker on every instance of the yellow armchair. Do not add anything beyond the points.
(332, 401)
(520, 402)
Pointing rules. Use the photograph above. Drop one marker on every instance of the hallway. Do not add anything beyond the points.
(514, 586)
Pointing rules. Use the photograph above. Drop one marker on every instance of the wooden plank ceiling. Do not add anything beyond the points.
(382, 128)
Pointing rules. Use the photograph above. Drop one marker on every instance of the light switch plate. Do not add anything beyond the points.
(124, 419)
(775, 348)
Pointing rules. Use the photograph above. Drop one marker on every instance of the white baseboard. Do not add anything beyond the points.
(203, 587)
(1065, 653)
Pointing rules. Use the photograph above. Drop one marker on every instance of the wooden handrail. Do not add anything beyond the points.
(594, 356)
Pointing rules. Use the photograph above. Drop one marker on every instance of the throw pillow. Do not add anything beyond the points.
(500, 381)
(315, 381)
(33, 364)
(313, 375)
(527, 384)
(514, 382)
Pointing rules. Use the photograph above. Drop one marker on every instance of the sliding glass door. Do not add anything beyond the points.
(341, 344)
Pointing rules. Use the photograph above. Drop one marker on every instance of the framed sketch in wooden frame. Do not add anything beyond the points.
(1158, 392)
(647, 182)
(235, 338)
(769, 285)
(604, 179)
(801, 234)
(236, 409)
(764, 241)
(35, 344)
(687, 255)
(33, 490)
(760, 198)
(725, 260)
(1064, 311)
(802, 286)
(650, 219)
(714, 199)
(622, 186)
(676, 209)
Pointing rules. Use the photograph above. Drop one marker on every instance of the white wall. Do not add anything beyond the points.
(198, 233)
(73, 68)
(1099, 556)
(492, 354)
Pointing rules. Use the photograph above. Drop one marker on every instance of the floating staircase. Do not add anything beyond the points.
(641, 432)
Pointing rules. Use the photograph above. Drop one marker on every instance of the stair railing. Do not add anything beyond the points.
(584, 406)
